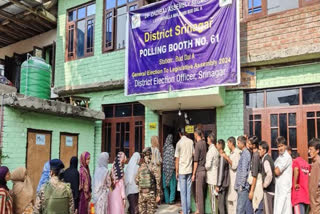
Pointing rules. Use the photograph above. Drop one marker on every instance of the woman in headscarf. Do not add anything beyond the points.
(169, 181)
(156, 160)
(85, 183)
(22, 192)
(101, 184)
(45, 175)
(5, 198)
(71, 175)
(117, 196)
(132, 190)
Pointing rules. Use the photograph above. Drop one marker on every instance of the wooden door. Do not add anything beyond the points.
(68, 147)
(38, 153)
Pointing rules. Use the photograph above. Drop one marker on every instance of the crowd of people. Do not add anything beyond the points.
(245, 181)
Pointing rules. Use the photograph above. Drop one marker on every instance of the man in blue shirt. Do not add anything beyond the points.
(241, 185)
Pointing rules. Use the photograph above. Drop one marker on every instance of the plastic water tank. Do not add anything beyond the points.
(35, 78)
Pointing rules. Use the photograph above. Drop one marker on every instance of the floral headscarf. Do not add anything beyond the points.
(117, 168)
(85, 178)
(168, 159)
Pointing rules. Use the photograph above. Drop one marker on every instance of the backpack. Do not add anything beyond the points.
(56, 200)
(146, 177)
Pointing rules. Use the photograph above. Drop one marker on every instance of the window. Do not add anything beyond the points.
(123, 129)
(254, 6)
(115, 22)
(80, 32)
(311, 95)
(283, 97)
(255, 125)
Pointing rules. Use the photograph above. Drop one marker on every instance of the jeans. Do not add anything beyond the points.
(185, 192)
(169, 191)
(299, 209)
(243, 201)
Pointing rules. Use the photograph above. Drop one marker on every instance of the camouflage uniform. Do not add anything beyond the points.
(147, 197)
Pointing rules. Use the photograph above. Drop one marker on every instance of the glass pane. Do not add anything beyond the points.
(122, 136)
(126, 142)
(82, 13)
(310, 114)
(257, 117)
(283, 125)
(274, 120)
(118, 127)
(123, 110)
(90, 29)
(293, 137)
(318, 128)
(109, 30)
(311, 129)
(70, 39)
(258, 129)
(318, 114)
(121, 2)
(250, 3)
(133, 7)
(250, 117)
(292, 119)
(274, 154)
(127, 127)
(138, 110)
(274, 135)
(251, 128)
(255, 100)
(283, 98)
(131, 0)
(118, 140)
(121, 27)
(91, 10)
(80, 37)
(137, 139)
(72, 15)
(108, 111)
(256, 3)
(311, 95)
(110, 4)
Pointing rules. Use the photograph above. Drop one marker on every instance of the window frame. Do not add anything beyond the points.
(303, 3)
(113, 47)
(74, 24)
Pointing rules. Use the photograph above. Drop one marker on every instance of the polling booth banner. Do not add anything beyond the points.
(182, 44)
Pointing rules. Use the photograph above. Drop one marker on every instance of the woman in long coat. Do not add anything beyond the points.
(85, 183)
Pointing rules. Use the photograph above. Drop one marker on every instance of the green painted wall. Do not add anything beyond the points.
(111, 65)
(16, 123)
(288, 76)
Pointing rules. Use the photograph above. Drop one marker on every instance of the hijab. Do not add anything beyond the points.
(85, 178)
(45, 175)
(117, 168)
(156, 156)
(132, 169)
(71, 175)
(3, 172)
(100, 175)
(22, 190)
(168, 159)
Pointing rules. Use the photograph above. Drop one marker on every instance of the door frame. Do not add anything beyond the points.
(69, 134)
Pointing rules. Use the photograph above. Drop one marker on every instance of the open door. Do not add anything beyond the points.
(68, 147)
(38, 153)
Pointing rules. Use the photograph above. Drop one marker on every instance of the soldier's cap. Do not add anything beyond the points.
(147, 151)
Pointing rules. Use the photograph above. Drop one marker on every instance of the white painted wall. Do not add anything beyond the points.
(24, 46)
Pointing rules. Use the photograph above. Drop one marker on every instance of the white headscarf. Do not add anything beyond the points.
(156, 156)
(100, 175)
(130, 174)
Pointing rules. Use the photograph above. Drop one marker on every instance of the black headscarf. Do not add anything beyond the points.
(71, 175)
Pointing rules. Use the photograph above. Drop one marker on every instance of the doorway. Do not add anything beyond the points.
(68, 147)
(189, 120)
(38, 153)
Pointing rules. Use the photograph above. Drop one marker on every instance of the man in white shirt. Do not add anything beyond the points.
(183, 154)
(283, 172)
(212, 164)
(233, 161)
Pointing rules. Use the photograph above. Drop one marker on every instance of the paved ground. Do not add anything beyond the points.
(168, 209)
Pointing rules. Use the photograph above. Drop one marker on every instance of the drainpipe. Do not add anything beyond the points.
(1, 125)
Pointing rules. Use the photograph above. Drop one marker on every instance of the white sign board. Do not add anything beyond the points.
(40, 139)
(69, 141)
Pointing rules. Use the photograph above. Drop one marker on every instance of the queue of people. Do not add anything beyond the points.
(245, 181)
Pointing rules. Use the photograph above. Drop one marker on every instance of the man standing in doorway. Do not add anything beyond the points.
(283, 172)
(241, 185)
(233, 161)
(314, 178)
(268, 179)
(183, 154)
(199, 170)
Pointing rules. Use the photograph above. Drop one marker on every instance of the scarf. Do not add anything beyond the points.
(22, 190)
(117, 168)
(45, 175)
(3, 172)
(85, 178)
(100, 176)
(71, 175)
(168, 159)
(132, 170)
